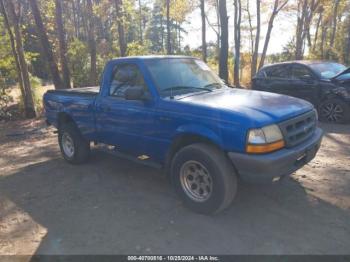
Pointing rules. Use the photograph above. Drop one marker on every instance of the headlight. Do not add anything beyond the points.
(264, 140)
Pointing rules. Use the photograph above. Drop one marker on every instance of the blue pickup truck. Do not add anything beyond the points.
(174, 113)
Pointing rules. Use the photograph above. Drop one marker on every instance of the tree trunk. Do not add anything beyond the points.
(162, 32)
(323, 41)
(223, 72)
(179, 36)
(277, 7)
(75, 19)
(120, 25)
(204, 40)
(140, 25)
(29, 101)
(267, 40)
(316, 32)
(237, 38)
(92, 43)
(168, 46)
(14, 52)
(307, 11)
(257, 40)
(347, 45)
(334, 25)
(62, 44)
(251, 29)
(57, 81)
(302, 9)
(218, 37)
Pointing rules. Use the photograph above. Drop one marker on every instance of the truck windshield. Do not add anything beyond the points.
(178, 76)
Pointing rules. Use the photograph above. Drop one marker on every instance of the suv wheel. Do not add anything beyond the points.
(74, 148)
(204, 178)
(334, 110)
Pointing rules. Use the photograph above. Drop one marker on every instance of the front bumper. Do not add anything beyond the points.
(280, 163)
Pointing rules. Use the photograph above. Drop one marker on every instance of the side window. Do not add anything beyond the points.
(300, 72)
(278, 72)
(125, 76)
(262, 73)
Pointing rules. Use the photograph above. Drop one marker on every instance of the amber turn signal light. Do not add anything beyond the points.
(265, 148)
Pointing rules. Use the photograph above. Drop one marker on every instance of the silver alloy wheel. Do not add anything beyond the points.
(67, 145)
(196, 181)
(333, 112)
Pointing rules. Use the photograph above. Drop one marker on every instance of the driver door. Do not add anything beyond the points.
(303, 84)
(127, 124)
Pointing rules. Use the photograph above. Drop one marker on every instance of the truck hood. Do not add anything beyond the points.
(260, 107)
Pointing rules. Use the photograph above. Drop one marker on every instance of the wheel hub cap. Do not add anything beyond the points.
(333, 112)
(196, 181)
(67, 145)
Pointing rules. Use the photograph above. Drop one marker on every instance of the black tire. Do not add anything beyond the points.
(221, 173)
(81, 147)
(334, 110)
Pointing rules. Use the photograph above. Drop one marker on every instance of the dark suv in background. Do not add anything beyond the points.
(325, 84)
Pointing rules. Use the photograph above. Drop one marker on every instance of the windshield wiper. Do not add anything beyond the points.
(172, 88)
(213, 85)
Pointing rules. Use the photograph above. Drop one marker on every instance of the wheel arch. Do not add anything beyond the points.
(64, 118)
(184, 139)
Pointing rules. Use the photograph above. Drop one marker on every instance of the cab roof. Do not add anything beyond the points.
(301, 62)
(152, 57)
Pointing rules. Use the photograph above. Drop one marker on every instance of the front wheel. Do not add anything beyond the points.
(334, 110)
(74, 148)
(204, 178)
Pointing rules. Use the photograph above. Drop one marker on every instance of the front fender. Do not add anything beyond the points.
(199, 130)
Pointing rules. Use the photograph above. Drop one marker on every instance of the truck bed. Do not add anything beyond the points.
(89, 91)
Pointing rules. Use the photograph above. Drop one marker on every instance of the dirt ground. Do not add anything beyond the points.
(112, 206)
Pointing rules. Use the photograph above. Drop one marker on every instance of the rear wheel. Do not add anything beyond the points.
(74, 148)
(204, 178)
(334, 110)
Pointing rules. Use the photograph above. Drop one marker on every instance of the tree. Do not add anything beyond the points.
(168, 42)
(155, 30)
(319, 20)
(277, 7)
(223, 71)
(334, 23)
(13, 49)
(92, 43)
(28, 97)
(62, 43)
(305, 12)
(216, 27)
(204, 40)
(120, 25)
(140, 23)
(257, 40)
(237, 37)
(47, 50)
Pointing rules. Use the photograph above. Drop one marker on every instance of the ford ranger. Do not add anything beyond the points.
(174, 113)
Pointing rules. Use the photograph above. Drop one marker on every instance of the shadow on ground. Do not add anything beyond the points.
(113, 206)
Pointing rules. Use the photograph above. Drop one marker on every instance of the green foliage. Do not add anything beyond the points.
(79, 62)
(135, 48)
(7, 62)
(5, 100)
(36, 84)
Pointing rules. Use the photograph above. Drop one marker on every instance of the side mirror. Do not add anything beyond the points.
(135, 93)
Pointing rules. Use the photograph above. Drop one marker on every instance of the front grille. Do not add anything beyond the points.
(298, 129)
